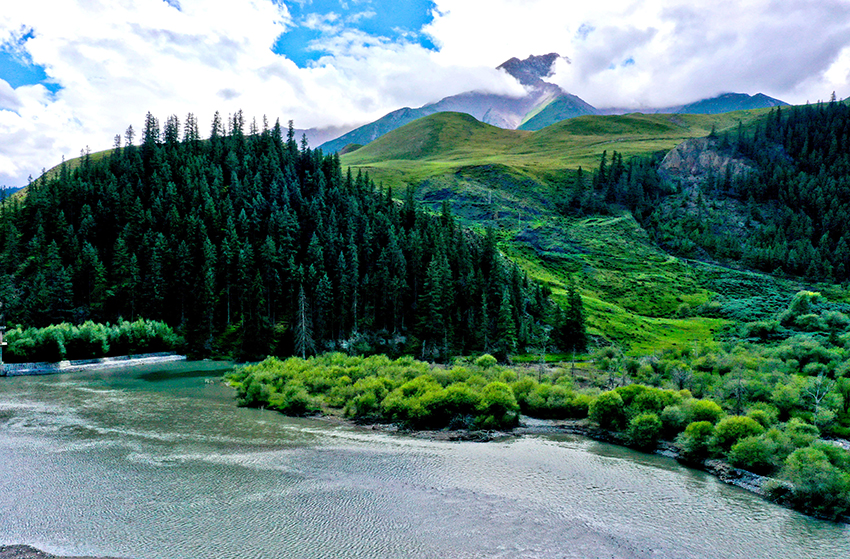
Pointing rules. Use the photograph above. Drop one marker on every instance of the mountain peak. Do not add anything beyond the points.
(533, 69)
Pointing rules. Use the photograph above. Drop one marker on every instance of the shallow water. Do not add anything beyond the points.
(157, 463)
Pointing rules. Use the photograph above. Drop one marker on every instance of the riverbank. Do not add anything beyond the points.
(26, 369)
(27, 552)
(723, 471)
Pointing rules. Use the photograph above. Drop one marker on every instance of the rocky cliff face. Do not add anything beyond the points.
(532, 70)
(694, 160)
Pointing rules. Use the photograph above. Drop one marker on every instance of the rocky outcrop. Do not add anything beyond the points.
(695, 160)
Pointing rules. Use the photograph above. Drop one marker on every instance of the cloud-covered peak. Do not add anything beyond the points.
(77, 72)
(532, 70)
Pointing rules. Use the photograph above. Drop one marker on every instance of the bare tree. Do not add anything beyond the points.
(817, 389)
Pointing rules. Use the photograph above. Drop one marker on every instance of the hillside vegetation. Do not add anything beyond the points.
(635, 293)
(251, 245)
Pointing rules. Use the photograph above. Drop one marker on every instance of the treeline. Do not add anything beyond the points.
(793, 199)
(633, 184)
(250, 244)
(802, 156)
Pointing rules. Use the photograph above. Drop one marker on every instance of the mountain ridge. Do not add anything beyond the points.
(543, 104)
(499, 110)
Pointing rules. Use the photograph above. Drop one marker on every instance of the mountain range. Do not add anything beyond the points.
(543, 104)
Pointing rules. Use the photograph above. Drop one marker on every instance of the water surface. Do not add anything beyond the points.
(157, 463)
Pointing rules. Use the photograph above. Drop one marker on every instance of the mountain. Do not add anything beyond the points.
(532, 70)
(543, 104)
(729, 102)
(559, 108)
(317, 136)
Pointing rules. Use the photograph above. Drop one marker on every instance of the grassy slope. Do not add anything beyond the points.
(634, 293)
(506, 179)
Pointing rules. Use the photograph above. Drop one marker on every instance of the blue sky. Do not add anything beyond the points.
(316, 22)
(74, 73)
(17, 68)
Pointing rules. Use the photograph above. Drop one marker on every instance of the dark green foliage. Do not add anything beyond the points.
(570, 332)
(694, 443)
(818, 485)
(792, 204)
(755, 454)
(608, 410)
(89, 340)
(644, 430)
(634, 185)
(218, 238)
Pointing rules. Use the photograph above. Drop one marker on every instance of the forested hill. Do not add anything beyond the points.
(252, 243)
(774, 195)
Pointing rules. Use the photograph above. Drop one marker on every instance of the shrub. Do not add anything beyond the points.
(674, 419)
(457, 401)
(703, 410)
(579, 406)
(607, 410)
(762, 329)
(801, 433)
(498, 406)
(630, 392)
(293, 400)
(734, 428)
(755, 454)
(87, 341)
(654, 400)
(486, 361)
(644, 430)
(694, 443)
(817, 484)
(764, 414)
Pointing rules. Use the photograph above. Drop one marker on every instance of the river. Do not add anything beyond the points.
(157, 463)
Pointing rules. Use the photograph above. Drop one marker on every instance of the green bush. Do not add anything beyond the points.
(703, 410)
(730, 430)
(800, 433)
(818, 485)
(294, 400)
(694, 443)
(756, 454)
(486, 361)
(87, 341)
(608, 410)
(644, 430)
(498, 407)
(765, 414)
(674, 420)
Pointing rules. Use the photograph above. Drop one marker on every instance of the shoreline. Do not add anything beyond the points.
(78, 365)
(723, 471)
(29, 552)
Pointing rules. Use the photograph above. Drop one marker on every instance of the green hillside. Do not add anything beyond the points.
(560, 108)
(636, 294)
(446, 142)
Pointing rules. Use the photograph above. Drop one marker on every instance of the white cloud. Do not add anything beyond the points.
(682, 50)
(115, 60)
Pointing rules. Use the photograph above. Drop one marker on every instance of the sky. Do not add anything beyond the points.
(74, 73)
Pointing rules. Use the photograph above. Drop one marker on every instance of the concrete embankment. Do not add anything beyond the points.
(22, 369)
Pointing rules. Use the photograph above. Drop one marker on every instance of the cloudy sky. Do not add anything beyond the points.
(73, 73)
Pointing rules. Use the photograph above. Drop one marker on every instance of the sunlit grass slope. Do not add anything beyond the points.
(635, 294)
(445, 142)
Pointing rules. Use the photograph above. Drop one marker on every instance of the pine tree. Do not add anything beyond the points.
(303, 334)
